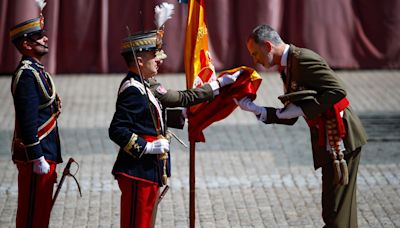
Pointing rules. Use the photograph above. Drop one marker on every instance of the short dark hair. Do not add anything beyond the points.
(18, 43)
(129, 59)
(264, 33)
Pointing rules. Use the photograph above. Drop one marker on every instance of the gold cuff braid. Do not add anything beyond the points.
(132, 143)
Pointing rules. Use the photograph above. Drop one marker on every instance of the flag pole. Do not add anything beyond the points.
(192, 184)
(193, 49)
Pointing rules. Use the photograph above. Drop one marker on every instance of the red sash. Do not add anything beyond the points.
(149, 138)
(44, 129)
(320, 121)
(47, 127)
(18, 148)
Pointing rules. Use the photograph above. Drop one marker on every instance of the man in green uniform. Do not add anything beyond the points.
(313, 90)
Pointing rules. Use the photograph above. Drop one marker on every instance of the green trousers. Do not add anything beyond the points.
(339, 203)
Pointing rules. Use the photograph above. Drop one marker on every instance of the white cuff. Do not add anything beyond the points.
(290, 111)
(215, 87)
(263, 115)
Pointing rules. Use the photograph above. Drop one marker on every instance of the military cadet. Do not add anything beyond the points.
(137, 125)
(36, 144)
(314, 91)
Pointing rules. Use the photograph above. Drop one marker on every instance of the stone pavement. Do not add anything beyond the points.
(247, 174)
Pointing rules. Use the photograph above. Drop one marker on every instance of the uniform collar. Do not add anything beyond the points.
(284, 58)
(39, 65)
(33, 61)
(133, 75)
(137, 78)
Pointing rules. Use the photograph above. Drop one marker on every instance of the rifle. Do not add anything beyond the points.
(66, 172)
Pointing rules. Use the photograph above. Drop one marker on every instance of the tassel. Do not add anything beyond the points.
(345, 172)
(343, 169)
(164, 176)
(164, 158)
(337, 174)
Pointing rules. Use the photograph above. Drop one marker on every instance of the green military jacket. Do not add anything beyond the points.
(307, 70)
(180, 98)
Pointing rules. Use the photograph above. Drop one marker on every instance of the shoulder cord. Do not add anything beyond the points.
(26, 66)
(141, 88)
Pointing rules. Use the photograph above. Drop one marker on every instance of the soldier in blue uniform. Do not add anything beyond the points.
(36, 144)
(137, 125)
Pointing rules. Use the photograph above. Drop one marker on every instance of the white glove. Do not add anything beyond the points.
(40, 166)
(289, 111)
(228, 79)
(185, 113)
(158, 146)
(248, 105)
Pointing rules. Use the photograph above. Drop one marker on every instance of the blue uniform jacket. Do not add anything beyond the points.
(131, 122)
(33, 108)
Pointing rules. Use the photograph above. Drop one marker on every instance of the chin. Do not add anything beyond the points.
(151, 75)
(266, 66)
(43, 53)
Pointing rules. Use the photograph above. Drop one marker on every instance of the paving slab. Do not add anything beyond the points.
(247, 174)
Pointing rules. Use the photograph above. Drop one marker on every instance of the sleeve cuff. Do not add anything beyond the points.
(135, 146)
(34, 151)
(215, 87)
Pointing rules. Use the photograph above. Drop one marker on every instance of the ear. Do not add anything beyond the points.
(139, 61)
(268, 46)
(25, 45)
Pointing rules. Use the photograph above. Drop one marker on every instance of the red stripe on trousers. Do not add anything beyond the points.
(35, 193)
(137, 202)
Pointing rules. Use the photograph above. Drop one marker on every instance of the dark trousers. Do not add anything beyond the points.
(339, 203)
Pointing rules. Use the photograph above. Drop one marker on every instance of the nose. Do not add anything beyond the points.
(255, 61)
(159, 61)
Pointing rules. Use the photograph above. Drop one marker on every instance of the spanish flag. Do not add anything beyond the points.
(198, 66)
(223, 105)
(199, 70)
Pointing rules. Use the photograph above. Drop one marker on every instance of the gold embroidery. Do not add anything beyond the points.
(137, 146)
(132, 143)
(201, 33)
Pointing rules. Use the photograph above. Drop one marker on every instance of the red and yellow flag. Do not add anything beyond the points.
(198, 66)
(245, 86)
(199, 70)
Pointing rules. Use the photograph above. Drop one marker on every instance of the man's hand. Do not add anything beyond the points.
(228, 79)
(40, 166)
(290, 111)
(158, 146)
(248, 105)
